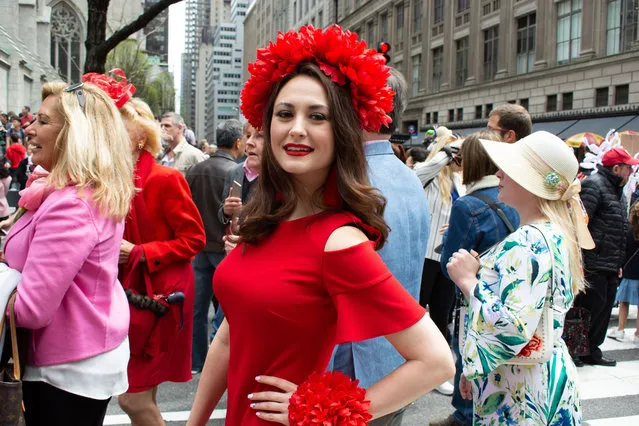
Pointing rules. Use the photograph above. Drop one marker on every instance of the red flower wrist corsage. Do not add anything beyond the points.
(329, 399)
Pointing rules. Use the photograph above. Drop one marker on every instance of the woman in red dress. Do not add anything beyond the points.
(305, 275)
(163, 232)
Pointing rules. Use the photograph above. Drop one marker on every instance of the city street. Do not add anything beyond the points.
(610, 395)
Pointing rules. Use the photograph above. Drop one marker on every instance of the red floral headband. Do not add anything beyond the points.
(120, 91)
(339, 54)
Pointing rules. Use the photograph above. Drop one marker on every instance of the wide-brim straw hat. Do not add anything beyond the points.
(545, 166)
(529, 161)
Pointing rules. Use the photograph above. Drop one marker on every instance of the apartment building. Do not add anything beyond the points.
(573, 63)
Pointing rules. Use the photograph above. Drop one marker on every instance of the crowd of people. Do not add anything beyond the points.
(320, 244)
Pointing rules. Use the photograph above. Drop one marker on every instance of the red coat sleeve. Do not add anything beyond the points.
(170, 198)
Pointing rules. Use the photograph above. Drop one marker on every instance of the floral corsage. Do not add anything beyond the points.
(329, 399)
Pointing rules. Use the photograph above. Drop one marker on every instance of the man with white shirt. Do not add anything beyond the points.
(181, 155)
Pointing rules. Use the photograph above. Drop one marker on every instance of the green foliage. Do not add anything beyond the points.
(159, 93)
(129, 57)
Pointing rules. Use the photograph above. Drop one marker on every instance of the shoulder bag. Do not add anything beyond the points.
(540, 347)
(11, 406)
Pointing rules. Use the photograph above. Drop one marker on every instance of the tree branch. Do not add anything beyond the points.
(142, 21)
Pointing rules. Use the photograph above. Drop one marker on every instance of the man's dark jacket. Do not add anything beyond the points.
(606, 207)
(206, 180)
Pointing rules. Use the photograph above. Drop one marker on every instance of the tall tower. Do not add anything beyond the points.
(197, 16)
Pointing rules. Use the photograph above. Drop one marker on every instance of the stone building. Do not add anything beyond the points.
(573, 63)
(266, 17)
(43, 40)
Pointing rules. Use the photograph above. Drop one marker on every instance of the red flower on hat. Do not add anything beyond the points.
(120, 91)
(329, 398)
(339, 54)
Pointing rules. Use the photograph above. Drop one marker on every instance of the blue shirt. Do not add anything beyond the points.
(475, 226)
(409, 219)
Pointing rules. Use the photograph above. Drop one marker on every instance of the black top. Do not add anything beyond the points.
(631, 262)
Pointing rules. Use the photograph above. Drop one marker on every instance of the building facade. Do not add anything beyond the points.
(566, 61)
(43, 40)
(157, 34)
(266, 17)
(224, 70)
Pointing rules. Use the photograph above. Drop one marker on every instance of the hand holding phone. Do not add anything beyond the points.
(233, 203)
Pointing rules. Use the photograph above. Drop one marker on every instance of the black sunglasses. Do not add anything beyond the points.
(77, 89)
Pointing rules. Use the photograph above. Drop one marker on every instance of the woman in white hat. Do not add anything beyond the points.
(512, 284)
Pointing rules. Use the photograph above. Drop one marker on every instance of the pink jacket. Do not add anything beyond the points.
(69, 295)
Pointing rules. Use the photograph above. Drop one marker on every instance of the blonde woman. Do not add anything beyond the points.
(538, 267)
(163, 232)
(66, 244)
(442, 184)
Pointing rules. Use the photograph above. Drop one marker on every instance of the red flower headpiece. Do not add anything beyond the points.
(339, 54)
(329, 398)
(120, 91)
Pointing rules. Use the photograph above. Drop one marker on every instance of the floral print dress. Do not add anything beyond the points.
(505, 309)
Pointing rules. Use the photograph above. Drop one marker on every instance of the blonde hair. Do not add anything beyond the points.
(138, 112)
(444, 137)
(92, 149)
(558, 212)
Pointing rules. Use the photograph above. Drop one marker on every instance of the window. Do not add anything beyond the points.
(462, 5)
(438, 58)
(524, 102)
(526, 28)
(601, 97)
(566, 101)
(66, 47)
(438, 11)
(568, 30)
(551, 103)
(436, 117)
(416, 72)
(491, 48)
(621, 94)
(417, 16)
(383, 27)
(621, 25)
(399, 22)
(460, 114)
(478, 112)
(428, 118)
(461, 65)
(487, 109)
(451, 114)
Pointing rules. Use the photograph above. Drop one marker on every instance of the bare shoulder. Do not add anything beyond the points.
(345, 237)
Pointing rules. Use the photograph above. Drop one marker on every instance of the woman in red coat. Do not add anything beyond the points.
(163, 232)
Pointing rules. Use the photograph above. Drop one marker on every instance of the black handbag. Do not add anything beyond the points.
(576, 330)
(11, 406)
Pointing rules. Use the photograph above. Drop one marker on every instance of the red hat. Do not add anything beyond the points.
(618, 155)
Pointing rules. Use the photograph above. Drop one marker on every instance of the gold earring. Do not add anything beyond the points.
(140, 146)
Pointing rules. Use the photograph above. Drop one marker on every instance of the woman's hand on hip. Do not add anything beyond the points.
(272, 406)
(462, 268)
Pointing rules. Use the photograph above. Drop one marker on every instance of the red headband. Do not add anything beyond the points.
(339, 55)
(120, 91)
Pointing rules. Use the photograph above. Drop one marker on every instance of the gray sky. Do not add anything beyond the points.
(176, 46)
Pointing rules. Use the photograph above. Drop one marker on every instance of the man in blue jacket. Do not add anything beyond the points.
(408, 217)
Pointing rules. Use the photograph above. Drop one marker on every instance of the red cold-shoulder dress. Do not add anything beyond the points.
(287, 303)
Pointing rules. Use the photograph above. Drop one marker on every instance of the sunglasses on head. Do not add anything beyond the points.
(77, 89)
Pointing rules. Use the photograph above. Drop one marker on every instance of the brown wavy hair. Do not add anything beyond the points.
(274, 199)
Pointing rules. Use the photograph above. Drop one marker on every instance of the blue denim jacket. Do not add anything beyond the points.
(474, 225)
(409, 219)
